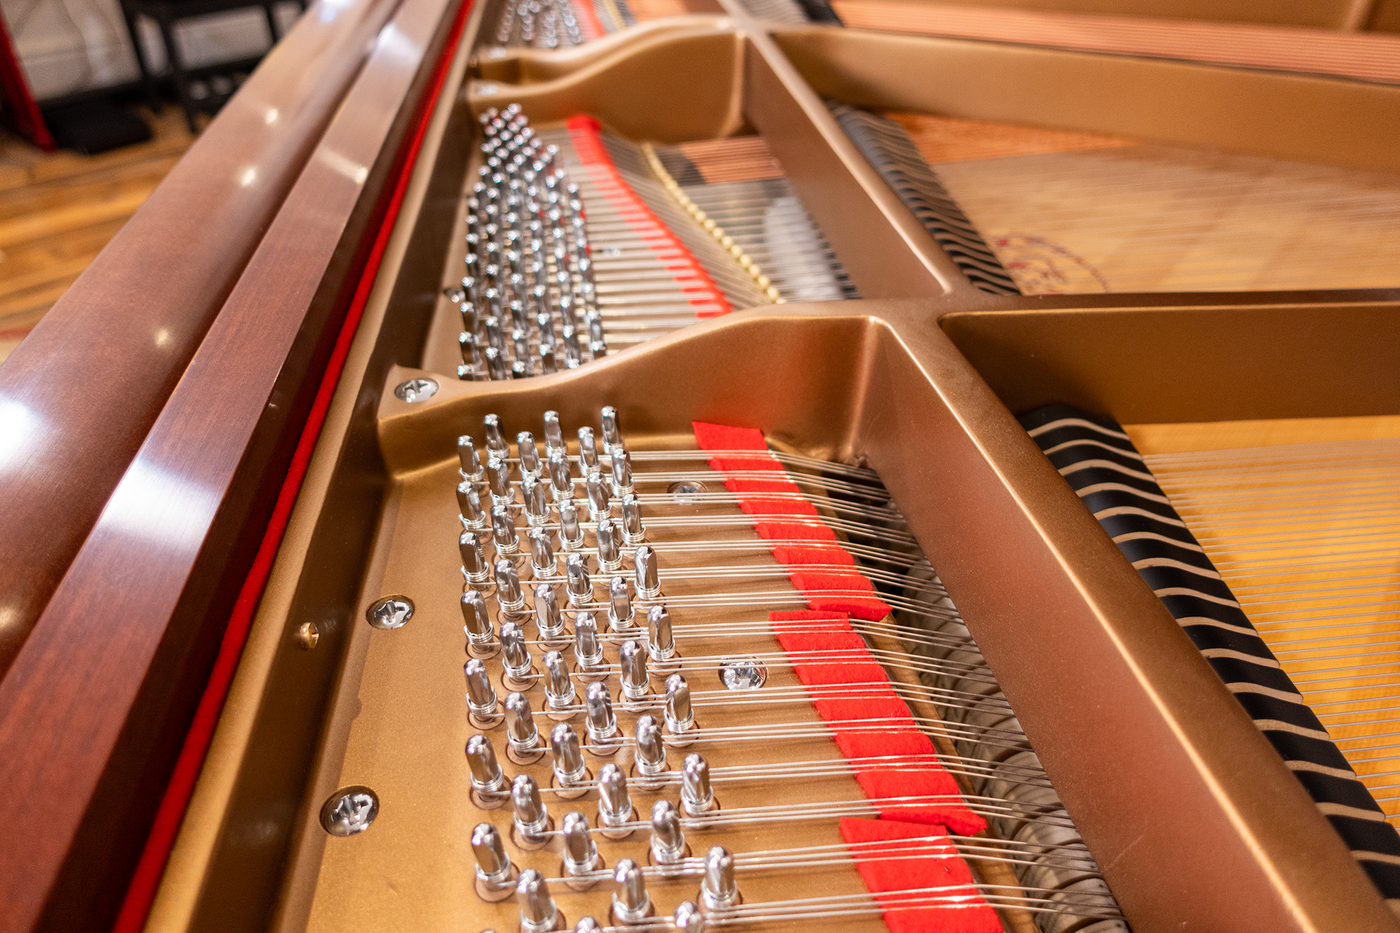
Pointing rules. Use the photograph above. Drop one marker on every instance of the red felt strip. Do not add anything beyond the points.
(962, 909)
(586, 134)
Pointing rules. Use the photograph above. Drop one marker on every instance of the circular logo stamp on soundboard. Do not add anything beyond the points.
(1043, 267)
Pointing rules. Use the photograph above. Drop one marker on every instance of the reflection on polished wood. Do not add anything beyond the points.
(58, 210)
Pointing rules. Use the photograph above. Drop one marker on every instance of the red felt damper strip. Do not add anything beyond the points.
(962, 909)
(686, 270)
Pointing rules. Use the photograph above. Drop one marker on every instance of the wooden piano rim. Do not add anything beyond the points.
(39, 688)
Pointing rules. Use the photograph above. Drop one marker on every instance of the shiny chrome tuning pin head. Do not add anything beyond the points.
(474, 567)
(661, 642)
(553, 434)
(561, 481)
(584, 925)
(621, 472)
(570, 528)
(496, 445)
(633, 531)
(538, 912)
(680, 718)
(667, 837)
(650, 759)
(580, 586)
(603, 738)
(530, 464)
(569, 768)
(631, 904)
(488, 780)
(609, 546)
(612, 430)
(503, 533)
(495, 875)
(508, 593)
(559, 692)
(531, 817)
(474, 515)
(621, 616)
(588, 451)
(688, 918)
(519, 669)
(482, 705)
(636, 684)
(719, 890)
(543, 564)
(481, 638)
(522, 735)
(599, 498)
(580, 853)
(697, 797)
(536, 495)
(498, 480)
(588, 650)
(614, 803)
(648, 577)
(469, 464)
(548, 619)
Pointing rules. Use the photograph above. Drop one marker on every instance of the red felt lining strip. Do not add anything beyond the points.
(586, 133)
(141, 892)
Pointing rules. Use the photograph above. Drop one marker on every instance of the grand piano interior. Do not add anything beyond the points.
(246, 555)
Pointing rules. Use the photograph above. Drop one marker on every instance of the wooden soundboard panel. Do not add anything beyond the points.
(1073, 213)
(1314, 566)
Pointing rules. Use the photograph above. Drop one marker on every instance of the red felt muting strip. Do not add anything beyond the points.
(933, 870)
(894, 762)
(689, 274)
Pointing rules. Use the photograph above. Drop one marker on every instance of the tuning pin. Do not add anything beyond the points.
(559, 693)
(648, 580)
(549, 362)
(503, 532)
(573, 347)
(688, 918)
(496, 364)
(508, 593)
(488, 780)
(473, 559)
(569, 769)
(580, 587)
(661, 643)
(609, 546)
(635, 683)
(587, 451)
(481, 696)
(667, 837)
(621, 617)
(697, 797)
(515, 657)
(631, 903)
(470, 463)
(650, 757)
(585, 924)
(599, 501)
(538, 913)
(570, 529)
(480, 636)
(580, 852)
(588, 650)
(495, 875)
(560, 480)
(633, 531)
(553, 433)
(521, 733)
(536, 496)
(597, 345)
(529, 454)
(621, 472)
(602, 724)
(719, 890)
(474, 517)
(612, 432)
(614, 802)
(542, 560)
(680, 718)
(548, 619)
(496, 446)
(498, 480)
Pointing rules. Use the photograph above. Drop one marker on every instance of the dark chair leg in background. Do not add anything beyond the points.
(177, 70)
(148, 78)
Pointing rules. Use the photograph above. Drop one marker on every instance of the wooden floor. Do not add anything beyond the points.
(58, 210)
